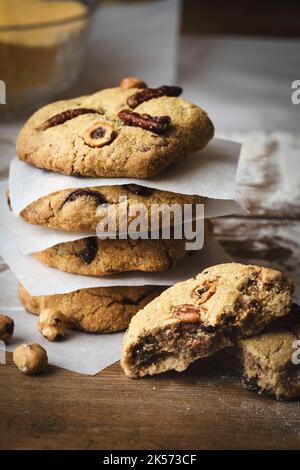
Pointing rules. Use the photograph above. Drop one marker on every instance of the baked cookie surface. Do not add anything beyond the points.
(203, 315)
(94, 257)
(116, 132)
(81, 209)
(96, 310)
(267, 359)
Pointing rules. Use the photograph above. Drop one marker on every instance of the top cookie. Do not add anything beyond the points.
(129, 131)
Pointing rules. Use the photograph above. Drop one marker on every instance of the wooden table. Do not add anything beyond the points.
(203, 408)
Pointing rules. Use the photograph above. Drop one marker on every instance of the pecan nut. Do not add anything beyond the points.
(139, 190)
(204, 292)
(99, 134)
(186, 313)
(88, 254)
(156, 124)
(98, 197)
(132, 82)
(150, 93)
(65, 116)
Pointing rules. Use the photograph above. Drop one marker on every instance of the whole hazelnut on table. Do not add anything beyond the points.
(30, 358)
(52, 324)
(6, 328)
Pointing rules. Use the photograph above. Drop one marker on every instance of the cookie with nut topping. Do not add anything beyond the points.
(80, 210)
(198, 317)
(94, 310)
(128, 131)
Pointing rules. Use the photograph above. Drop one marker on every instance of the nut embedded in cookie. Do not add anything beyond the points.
(174, 330)
(99, 134)
(132, 82)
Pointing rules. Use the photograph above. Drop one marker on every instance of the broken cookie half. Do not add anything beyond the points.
(271, 359)
(200, 316)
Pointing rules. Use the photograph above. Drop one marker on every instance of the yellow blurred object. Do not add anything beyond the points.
(20, 13)
(40, 46)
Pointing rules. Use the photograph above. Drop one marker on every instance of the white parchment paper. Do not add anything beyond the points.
(80, 352)
(41, 280)
(210, 173)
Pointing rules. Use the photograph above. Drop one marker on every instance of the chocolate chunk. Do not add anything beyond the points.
(251, 384)
(138, 190)
(89, 252)
(98, 197)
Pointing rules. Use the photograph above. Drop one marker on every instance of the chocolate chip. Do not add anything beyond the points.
(9, 327)
(251, 384)
(128, 301)
(138, 190)
(98, 197)
(89, 252)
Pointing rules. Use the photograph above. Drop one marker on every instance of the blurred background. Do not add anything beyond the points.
(236, 58)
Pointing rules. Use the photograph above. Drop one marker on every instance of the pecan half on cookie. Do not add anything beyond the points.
(175, 330)
(157, 124)
(61, 136)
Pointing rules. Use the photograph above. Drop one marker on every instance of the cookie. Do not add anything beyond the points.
(271, 363)
(96, 310)
(198, 317)
(81, 209)
(116, 132)
(94, 257)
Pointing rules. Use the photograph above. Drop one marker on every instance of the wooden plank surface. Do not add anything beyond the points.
(199, 409)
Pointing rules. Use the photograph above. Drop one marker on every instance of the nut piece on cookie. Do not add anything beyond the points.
(198, 317)
(65, 137)
(132, 82)
(270, 360)
(52, 324)
(99, 134)
(30, 358)
(112, 307)
(6, 328)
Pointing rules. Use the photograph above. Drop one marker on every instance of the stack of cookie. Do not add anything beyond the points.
(129, 131)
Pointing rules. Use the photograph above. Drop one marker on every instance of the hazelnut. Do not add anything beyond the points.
(6, 328)
(30, 358)
(132, 82)
(99, 134)
(52, 324)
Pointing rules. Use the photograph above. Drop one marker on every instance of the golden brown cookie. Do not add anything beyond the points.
(198, 317)
(81, 209)
(94, 257)
(96, 310)
(129, 132)
(271, 360)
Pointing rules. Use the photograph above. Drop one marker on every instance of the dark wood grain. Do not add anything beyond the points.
(198, 409)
